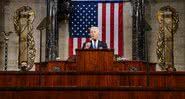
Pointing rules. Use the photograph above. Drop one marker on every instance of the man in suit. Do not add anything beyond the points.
(94, 43)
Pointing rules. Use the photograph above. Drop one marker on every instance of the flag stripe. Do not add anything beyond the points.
(83, 41)
(116, 29)
(79, 42)
(120, 33)
(87, 39)
(108, 18)
(112, 26)
(100, 20)
(103, 22)
(75, 44)
(70, 47)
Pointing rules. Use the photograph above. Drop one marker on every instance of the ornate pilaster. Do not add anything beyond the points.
(6, 39)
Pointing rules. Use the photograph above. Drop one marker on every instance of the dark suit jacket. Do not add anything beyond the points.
(101, 45)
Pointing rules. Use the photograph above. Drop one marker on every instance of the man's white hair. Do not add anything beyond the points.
(94, 28)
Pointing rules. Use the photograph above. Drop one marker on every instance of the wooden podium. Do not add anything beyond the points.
(94, 60)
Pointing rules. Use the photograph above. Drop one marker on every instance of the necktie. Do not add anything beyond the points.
(94, 46)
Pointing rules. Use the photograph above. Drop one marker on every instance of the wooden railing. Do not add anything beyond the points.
(92, 85)
(93, 79)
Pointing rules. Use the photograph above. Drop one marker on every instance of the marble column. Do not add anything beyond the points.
(52, 31)
(138, 30)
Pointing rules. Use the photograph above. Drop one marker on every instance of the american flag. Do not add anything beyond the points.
(108, 16)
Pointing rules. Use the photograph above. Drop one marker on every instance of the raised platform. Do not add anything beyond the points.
(93, 74)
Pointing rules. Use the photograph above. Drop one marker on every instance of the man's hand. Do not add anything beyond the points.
(87, 45)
